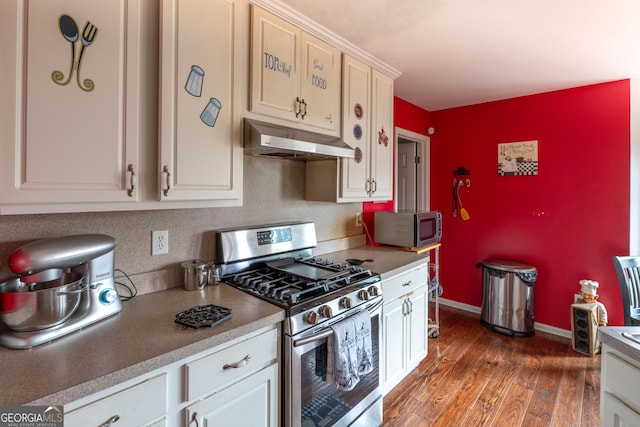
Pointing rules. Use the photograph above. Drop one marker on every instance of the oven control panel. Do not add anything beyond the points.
(334, 309)
(277, 235)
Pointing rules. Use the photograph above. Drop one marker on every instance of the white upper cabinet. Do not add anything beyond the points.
(367, 108)
(69, 103)
(382, 145)
(295, 76)
(200, 140)
(367, 126)
(356, 105)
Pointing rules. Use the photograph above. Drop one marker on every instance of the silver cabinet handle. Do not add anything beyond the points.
(166, 170)
(407, 283)
(110, 421)
(238, 364)
(133, 180)
(375, 186)
(298, 106)
(305, 108)
(410, 306)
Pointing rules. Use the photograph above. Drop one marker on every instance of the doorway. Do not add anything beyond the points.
(412, 171)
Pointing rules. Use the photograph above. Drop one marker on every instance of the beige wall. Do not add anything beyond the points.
(273, 192)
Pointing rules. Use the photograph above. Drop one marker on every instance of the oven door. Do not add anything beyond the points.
(310, 400)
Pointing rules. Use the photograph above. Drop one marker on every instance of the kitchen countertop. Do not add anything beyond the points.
(387, 261)
(612, 336)
(141, 338)
(144, 337)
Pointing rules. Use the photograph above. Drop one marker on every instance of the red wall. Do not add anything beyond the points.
(568, 221)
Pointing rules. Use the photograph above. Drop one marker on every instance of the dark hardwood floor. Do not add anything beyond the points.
(475, 377)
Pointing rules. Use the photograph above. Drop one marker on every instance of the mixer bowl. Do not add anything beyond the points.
(28, 307)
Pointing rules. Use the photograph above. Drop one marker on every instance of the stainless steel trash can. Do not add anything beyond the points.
(507, 297)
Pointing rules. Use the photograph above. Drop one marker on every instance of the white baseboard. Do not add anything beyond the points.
(476, 310)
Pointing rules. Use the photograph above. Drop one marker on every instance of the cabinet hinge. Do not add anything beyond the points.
(417, 160)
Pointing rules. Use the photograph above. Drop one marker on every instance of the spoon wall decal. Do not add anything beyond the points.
(69, 30)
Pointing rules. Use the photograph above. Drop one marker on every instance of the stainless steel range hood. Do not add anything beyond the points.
(267, 139)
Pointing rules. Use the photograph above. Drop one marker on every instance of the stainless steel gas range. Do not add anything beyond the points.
(276, 263)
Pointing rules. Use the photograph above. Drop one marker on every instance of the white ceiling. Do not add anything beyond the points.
(461, 52)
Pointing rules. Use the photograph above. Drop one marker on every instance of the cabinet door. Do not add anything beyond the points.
(69, 101)
(616, 413)
(320, 85)
(275, 65)
(417, 328)
(382, 145)
(356, 117)
(250, 402)
(200, 145)
(393, 321)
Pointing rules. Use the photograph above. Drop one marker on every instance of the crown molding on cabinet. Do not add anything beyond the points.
(312, 27)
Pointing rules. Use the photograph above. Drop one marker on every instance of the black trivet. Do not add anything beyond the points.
(203, 316)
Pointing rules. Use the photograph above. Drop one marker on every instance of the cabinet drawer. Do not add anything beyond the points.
(405, 282)
(135, 406)
(208, 373)
(622, 379)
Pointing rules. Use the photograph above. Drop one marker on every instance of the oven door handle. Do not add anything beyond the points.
(315, 337)
(328, 331)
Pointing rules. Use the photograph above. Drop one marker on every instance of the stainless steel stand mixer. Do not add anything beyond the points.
(65, 284)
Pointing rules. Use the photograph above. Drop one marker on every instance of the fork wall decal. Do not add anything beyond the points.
(69, 31)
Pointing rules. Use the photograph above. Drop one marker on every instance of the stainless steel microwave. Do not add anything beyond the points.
(412, 229)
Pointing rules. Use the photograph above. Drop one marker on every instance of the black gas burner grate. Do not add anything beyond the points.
(203, 316)
(287, 282)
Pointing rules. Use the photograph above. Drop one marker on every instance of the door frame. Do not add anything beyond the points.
(422, 171)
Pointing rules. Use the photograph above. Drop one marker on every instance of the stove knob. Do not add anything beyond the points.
(346, 302)
(325, 311)
(363, 294)
(311, 318)
(373, 291)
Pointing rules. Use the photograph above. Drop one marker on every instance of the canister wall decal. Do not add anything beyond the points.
(210, 113)
(194, 81)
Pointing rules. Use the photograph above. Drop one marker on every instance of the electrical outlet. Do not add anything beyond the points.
(358, 219)
(159, 242)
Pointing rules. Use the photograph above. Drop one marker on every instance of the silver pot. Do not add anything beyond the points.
(195, 275)
(27, 307)
(213, 274)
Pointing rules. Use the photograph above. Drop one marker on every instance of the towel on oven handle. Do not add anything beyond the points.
(363, 338)
(349, 351)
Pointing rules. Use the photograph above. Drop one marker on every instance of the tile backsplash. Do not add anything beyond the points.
(273, 192)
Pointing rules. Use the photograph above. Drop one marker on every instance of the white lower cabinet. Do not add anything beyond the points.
(619, 392)
(234, 384)
(139, 405)
(404, 320)
(249, 402)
